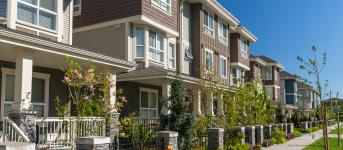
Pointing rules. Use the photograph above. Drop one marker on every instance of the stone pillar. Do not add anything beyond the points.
(274, 126)
(169, 138)
(280, 125)
(209, 104)
(93, 143)
(220, 104)
(215, 138)
(290, 127)
(197, 103)
(26, 121)
(313, 123)
(259, 134)
(304, 125)
(309, 124)
(166, 93)
(112, 130)
(268, 131)
(17, 146)
(250, 135)
(241, 130)
(285, 128)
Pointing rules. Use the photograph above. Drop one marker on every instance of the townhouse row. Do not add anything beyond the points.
(144, 42)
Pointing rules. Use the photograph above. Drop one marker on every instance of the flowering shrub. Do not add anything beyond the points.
(257, 145)
(288, 137)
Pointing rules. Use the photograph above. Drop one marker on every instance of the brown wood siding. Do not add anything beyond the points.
(162, 17)
(56, 87)
(131, 90)
(195, 40)
(97, 11)
(235, 50)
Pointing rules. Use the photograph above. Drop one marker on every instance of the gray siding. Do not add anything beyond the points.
(108, 40)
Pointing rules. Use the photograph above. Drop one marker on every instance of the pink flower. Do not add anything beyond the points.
(118, 103)
(91, 87)
(90, 71)
(71, 72)
(239, 123)
(120, 126)
(87, 98)
(122, 134)
(66, 79)
(103, 99)
(203, 78)
(80, 75)
(123, 98)
(75, 71)
(108, 107)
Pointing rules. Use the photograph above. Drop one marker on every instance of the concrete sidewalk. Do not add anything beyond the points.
(301, 142)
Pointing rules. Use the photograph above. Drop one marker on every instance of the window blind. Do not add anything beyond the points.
(9, 87)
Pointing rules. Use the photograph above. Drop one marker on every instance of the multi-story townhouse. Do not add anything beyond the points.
(334, 104)
(164, 37)
(288, 92)
(307, 98)
(35, 37)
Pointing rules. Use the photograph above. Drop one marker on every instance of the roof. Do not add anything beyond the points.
(271, 62)
(302, 86)
(90, 52)
(287, 75)
(257, 60)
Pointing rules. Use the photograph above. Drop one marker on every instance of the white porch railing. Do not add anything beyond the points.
(146, 120)
(12, 133)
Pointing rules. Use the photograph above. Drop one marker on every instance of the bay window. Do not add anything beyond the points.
(77, 6)
(208, 22)
(140, 42)
(267, 73)
(172, 56)
(148, 107)
(237, 75)
(209, 60)
(223, 67)
(222, 32)
(243, 47)
(42, 13)
(156, 46)
(163, 4)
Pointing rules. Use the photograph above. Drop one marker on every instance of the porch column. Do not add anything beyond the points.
(113, 77)
(22, 113)
(209, 104)
(166, 93)
(220, 104)
(197, 103)
(290, 113)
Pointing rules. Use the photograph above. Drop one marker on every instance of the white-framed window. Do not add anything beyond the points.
(148, 102)
(208, 22)
(269, 91)
(3, 8)
(243, 47)
(307, 93)
(140, 42)
(39, 93)
(172, 56)
(223, 67)
(163, 4)
(275, 74)
(42, 13)
(222, 32)
(189, 53)
(267, 73)
(156, 46)
(77, 6)
(237, 75)
(275, 92)
(209, 60)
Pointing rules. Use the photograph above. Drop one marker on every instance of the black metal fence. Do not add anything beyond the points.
(201, 141)
(127, 144)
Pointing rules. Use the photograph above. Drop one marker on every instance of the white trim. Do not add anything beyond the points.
(79, 5)
(159, 8)
(208, 25)
(240, 65)
(245, 51)
(278, 65)
(245, 33)
(174, 52)
(222, 57)
(44, 76)
(259, 61)
(226, 38)
(238, 71)
(155, 48)
(140, 99)
(212, 60)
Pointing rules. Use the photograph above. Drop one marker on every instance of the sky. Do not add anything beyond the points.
(289, 28)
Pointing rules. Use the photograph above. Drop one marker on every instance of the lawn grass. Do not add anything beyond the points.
(319, 144)
(335, 131)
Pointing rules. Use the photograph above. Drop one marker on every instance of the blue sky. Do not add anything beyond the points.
(289, 28)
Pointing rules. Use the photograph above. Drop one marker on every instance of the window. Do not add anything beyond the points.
(209, 60)
(172, 53)
(189, 53)
(208, 22)
(275, 92)
(140, 42)
(307, 92)
(275, 74)
(38, 12)
(164, 4)
(148, 104)
(37, 95)
(269, 91)
(156, 46)
(237, 75)
(223, 67)
(243, 47)
(3, 8)
(77, 6)
(260, 70)
(268, 73)
(222, 32)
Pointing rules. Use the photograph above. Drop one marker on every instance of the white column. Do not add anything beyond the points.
(290, 113)
(112, 72)
(146, 47)
(197, 103)
(166, 93)
(220, 103)
(11, 14)
(209, 104)
(23, 79)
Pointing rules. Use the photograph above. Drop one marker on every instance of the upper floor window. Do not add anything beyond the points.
(275, 92)
(223, 67)
(189, 53)
(38, 12)
(222, 32)
(77, 6)
(3, 8)
(275, 74)
(237, 75)
(267, 73)
(156, 46)
(269, 91)
(140, 42)
(243, 47)
(172, 56)
(164, 4)
(209, 60)
(208, 22)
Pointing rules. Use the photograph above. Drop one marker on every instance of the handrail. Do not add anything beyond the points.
(17, 129)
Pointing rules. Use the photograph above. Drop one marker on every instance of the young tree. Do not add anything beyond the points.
(177, 120)
(279, 115)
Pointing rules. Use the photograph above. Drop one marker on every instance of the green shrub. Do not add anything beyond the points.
(306, 131)
(238, 146)
(297, 133)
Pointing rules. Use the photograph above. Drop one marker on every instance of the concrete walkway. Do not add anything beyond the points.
(301, 142)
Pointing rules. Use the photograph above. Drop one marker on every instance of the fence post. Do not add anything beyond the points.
(169, 138)
(215, 138)
(268, 134)
(290, 127)
(93, 143)
(250, 133)
(304, 125)
(309, 124)
(259, 134)
(280, 125)
(26, 121)
(241, 130)
(285, 128)
(112, 129)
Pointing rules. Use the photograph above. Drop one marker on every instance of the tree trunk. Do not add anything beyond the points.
(339, 137)
(324, 129)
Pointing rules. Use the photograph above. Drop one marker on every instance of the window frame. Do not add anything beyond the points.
(190, 54)
(221, 37)
(265, 76)
(240, 73)
(135, 42)
(225, 67)
(38, 8)
(140, 100)
(78, 5)
(271, 91)
(244, 51)
(275, 92)
(211, 66)
(44, 76)
(171, 58)
(160, 6)
(207, 26)
(163, 46)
